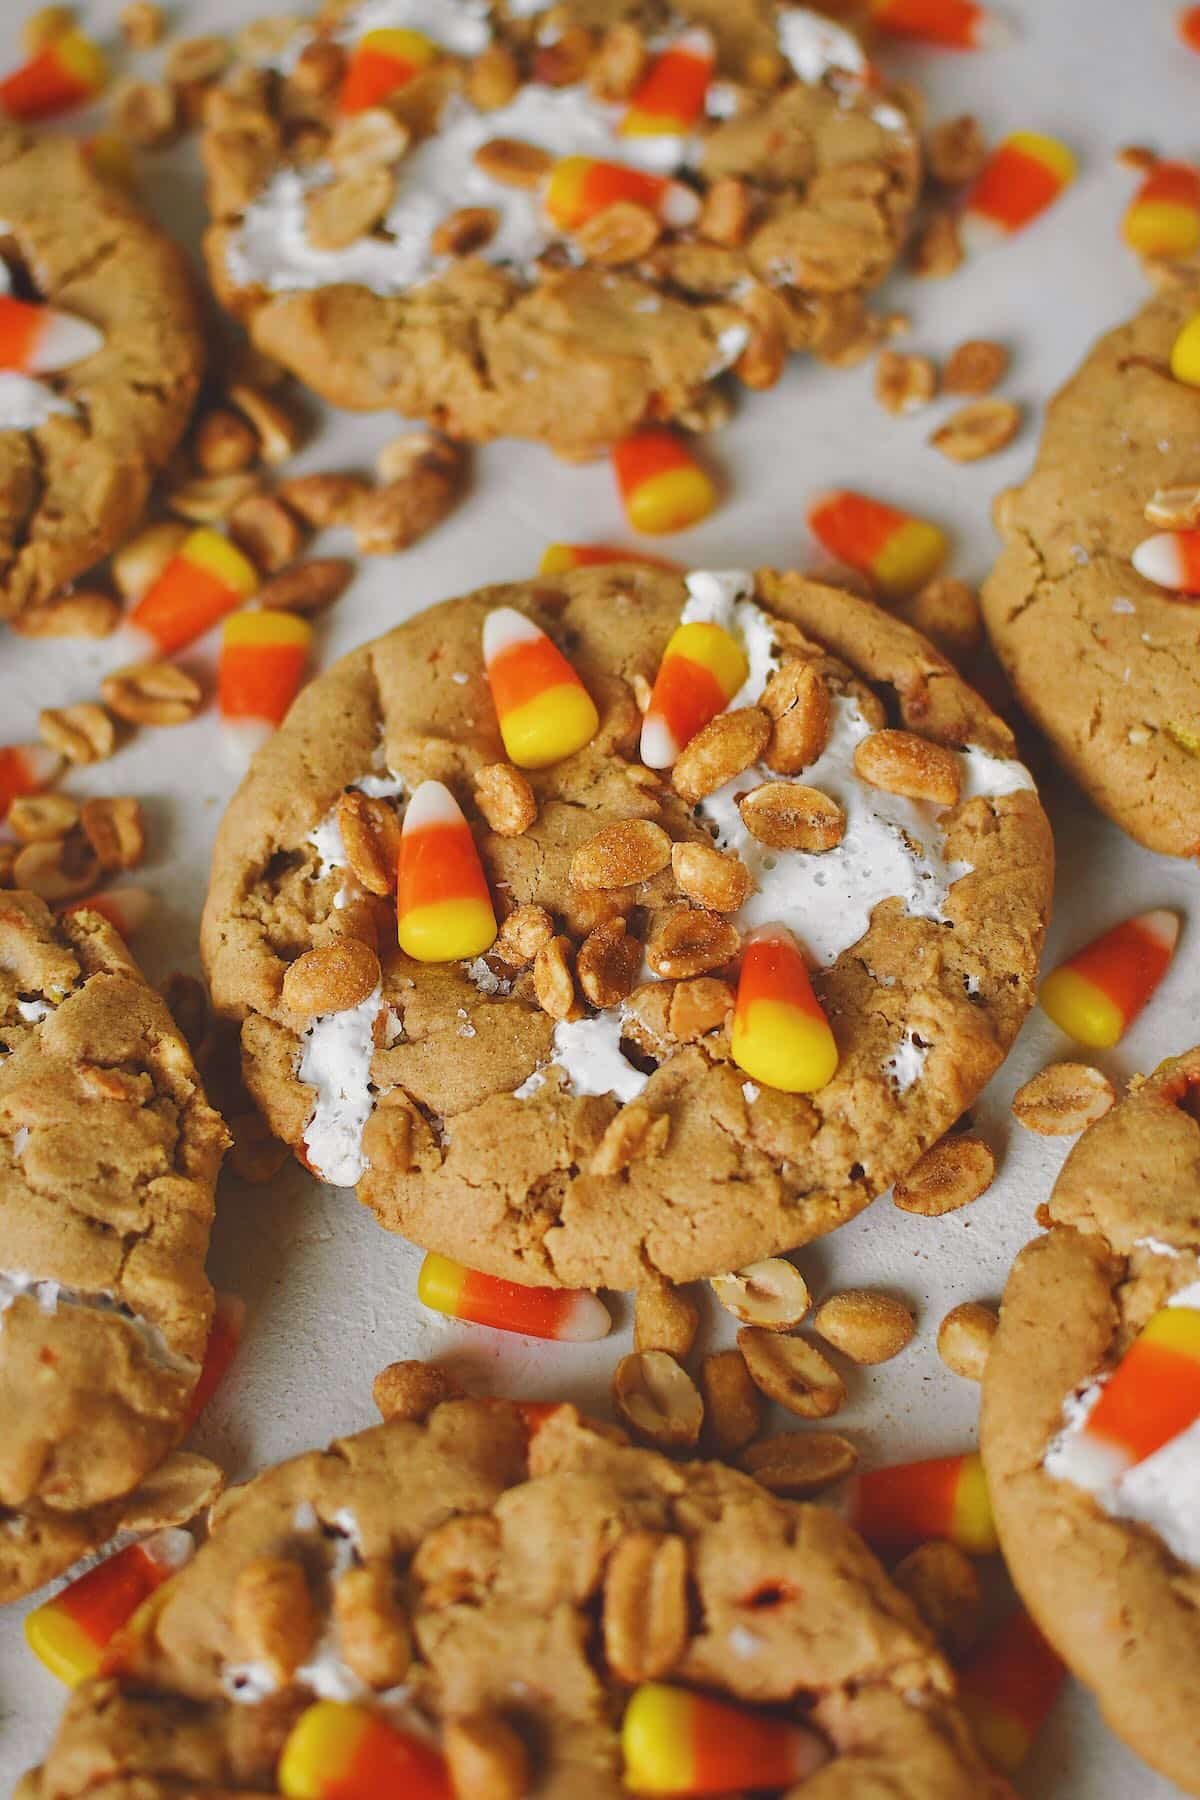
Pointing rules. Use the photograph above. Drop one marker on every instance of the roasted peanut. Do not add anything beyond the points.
(798, 1464)
(83, 734)
(697, 1007)
(113, 827)
(904, 383)
(791, 1371)
(513, 163)
(223, 443)
(720, 750)
(665, 1317)
(645, 1606)
(307, 587)
(978, 429)
(331, 979)
(270, 535)
(526, 930)
(621, 854)
(608, 963)
(955, 1171)
(348, 208)
(84, 613)
(272, 1614)
(144, 113)
(206, 498)
(485, 1758)
(975, 367)
(955, 150)
(714, 879)
(411, 1390)
(691, 942)
(371, 139)
(493, 78)
(772, 1294)
(1064, 1098)
(373, 1636)
(137, 565)
(936, 248)
(277, 430)
(621, 233)
(61, 869)
(370, 832)
(941, 1582)
(152, 694)
(464, 231)
(552, 980)
(732, 1404)
(787, 816)
(797, 701)
(324, 500)
(41, 818)
(965, 1337)
(901, 763)
(865, 1326)
(658, 1399)
(635, 1132)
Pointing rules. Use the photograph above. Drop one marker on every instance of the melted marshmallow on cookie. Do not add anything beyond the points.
(51, 1295)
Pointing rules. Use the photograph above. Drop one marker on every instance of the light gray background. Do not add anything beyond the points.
(330, 1297)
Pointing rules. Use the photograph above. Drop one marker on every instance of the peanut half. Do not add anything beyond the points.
(1063, 1099)
(645, 1606)
(797, 1463)
(658, 1400)
(772, 1294)
(866, 1327)
(792, 1372)
(952, 1173)
(965, 1337)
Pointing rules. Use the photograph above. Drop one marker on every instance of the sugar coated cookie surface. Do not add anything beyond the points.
(577, 1096)
(1091, 1417)
(558, 235)
(1067, 593)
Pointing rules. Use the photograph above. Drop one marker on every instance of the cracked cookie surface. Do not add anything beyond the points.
(108, 1158)
(74, 485)
(1111, 1575)
(1124, 715)
(490, 1556)
(572, 342)
(530, 1142)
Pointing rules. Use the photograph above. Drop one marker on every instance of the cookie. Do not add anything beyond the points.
(508, 1110)
(1107, 1557)
(1104, 660)
(80, 444)
(108, 1160)
(448, 1570)
(402, 258)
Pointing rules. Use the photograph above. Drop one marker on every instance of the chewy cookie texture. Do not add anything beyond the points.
(495, 1587)
(562, 1111)
(108, 1158)
(461, 250)
(1087, 1435)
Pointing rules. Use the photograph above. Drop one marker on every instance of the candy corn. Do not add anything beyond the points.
(678, 1742)
(1097, 993)
(126, 909)
(208, 578)
(263, 655)
(579, 187)
(670, 99)
(780, 1035)
(545, 712)
(663, 488)
(1185, 353)
(381, 62)
(943, 1497)
(25, 769)
(1023, 176)
(1188, 24)
(66, 71)
(443, 907)
(71, 1632)
(36, 339)
(1007, 1689)
(557, 559)
(224, 1336)
(951, 24)
(568, 1315)
(1152, 1395)
(1170, 559)
(897, 552)
(702, 669)
(1163, 218)
(337, 1750)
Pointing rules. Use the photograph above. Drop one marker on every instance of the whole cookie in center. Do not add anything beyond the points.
(566, 1108)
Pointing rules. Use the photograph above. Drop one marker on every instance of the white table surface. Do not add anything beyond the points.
(330, 1298)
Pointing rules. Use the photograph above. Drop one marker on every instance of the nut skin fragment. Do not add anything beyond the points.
(720, 750)
(733, 1406)
(273, 1617)
(715, 879)
(965, 1337)
(373, 1635)
(787, 816)
(486, 1759)
(978, 429)
(797, 700)
(865, 1326)
(899, 762)
(658, 1400)
(622, 854)
(665, 1317)
(411, 1390)
(792, 1372)
(645, 1613)
(975, 367)
(1063, 1099)
(772, 1294)
(332, 978)
(798, 1464)
(952, 1173)
(942, 1582)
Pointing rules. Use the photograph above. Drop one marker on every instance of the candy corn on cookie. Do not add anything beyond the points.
(100, 359)
(1097, 576)
(108, 1158)
(477, 1599)
(1091, 1418)
(534, 253)
(626, 916)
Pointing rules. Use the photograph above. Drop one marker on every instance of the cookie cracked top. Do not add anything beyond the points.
(108, 1159)
(403, 257)
(509, 1111)
(451, 1569)
(1107, 1557)
(81, 444)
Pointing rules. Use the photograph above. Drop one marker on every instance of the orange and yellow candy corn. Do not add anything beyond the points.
(1007, 1689)
(208, 578)
(1188, 24)
(1185, 353)
(1171, 560)
(1097, 993)
(545, 712)
(894, 550)
(780, 1036)
(126, 909)
(381, 62)
(71, 1632)
(1163, 218)
(263, 657)
(677, 1742)
(702, 668)
(558, 559)
(579, 187)
(1023, 176)
(443, 907)
(224, 1336)
(566, 1315)
(670, 99)
(36, 339)
(1152, 1395)
(66, 71)
(951, 24)
(337, 1750)
(942, 1497)
(663, 487)
(25, 769)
